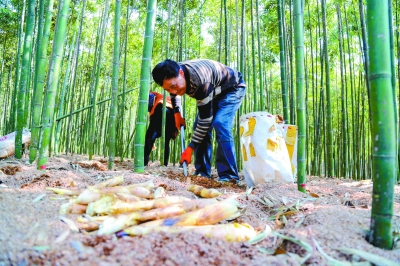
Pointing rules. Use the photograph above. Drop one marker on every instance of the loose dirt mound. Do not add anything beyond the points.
(334, 214)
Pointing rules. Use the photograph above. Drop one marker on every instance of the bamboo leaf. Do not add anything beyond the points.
(261, 236)
(70, 223)
(375, 259)
(38, 198)
(305, 245)
(249, 190)
(41, 248)
(268, 251)
(285, 200)
(331, 261)
(62, 237)
(268, 202)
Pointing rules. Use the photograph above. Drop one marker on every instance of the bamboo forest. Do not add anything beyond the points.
(98, 126)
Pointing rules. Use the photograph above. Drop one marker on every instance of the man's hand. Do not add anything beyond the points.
(186, 156)
(179, 121)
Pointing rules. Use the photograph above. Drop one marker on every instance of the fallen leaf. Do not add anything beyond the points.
(261, 236)
(375, 259)
(62, 237)
(314, 195)
(70, 223)
(38, 198)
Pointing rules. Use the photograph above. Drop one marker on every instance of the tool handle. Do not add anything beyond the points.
(185, 172)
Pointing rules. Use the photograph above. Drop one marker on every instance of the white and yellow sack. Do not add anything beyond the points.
(264, 152)
(7, 142)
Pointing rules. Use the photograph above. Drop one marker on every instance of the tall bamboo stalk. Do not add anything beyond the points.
(301, 112)
(383, 136)
(96, 70)
(112, 121)
(282, 60)
(393, 67)
(24, 84)
(52, 82)
(253, 60)
(344, 150)
(39, 83)
(124, 78)
(262, 91)
(141, 118)
(17, 67)
(329, 129)
(164, 108)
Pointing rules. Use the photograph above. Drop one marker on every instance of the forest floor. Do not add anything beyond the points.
(334, 214)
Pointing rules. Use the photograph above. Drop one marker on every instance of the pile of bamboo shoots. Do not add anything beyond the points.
(140, 209)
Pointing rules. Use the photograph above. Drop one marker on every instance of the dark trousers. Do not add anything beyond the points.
(154, 131)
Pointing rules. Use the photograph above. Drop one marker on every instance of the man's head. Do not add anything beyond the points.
(169, 75)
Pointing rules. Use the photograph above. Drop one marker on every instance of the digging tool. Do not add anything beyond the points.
(185, 172)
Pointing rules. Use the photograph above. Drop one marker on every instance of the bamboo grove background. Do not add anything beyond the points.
(256, 37)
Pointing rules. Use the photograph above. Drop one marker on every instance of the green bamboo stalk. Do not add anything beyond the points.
(23, 88)
(344, 151)
(282, 60)
(289, 58)
(353, 105)
(91, 134)
(63, 92)
(398, 84)
(123, 100)
(3, 92)
(28, 104)
(8, 126)
(52, 82)
(73, 88)
(164, 109)
(383, 136)
(17, 67)
(39, 82)
(310, 163)
(329, 129)
(112, 121)
(253, 60)
(301, 112)
(262, 91)
(141, 118)
(393, 67)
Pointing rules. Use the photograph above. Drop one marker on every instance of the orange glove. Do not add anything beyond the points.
(179, 121)
(186, 156)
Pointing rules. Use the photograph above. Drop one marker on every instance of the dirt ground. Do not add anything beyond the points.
(312, 227)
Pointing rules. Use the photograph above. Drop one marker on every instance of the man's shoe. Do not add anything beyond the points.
(226, 180)
(200, 174)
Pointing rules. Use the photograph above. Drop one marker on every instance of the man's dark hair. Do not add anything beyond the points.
(165, 70)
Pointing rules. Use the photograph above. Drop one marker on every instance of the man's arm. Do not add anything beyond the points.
(205, 96)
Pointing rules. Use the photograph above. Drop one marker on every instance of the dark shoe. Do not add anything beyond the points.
(201, 174)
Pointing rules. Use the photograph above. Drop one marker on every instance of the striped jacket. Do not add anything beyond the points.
(206, 80)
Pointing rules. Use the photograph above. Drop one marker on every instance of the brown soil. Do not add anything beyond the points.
(333, 214)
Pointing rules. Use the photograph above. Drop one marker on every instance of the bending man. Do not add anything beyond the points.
(219, 91)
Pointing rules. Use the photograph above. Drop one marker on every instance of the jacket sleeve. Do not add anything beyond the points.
(205, 96)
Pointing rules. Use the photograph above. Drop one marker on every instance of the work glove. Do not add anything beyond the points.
(186, 156)
(179, 121)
